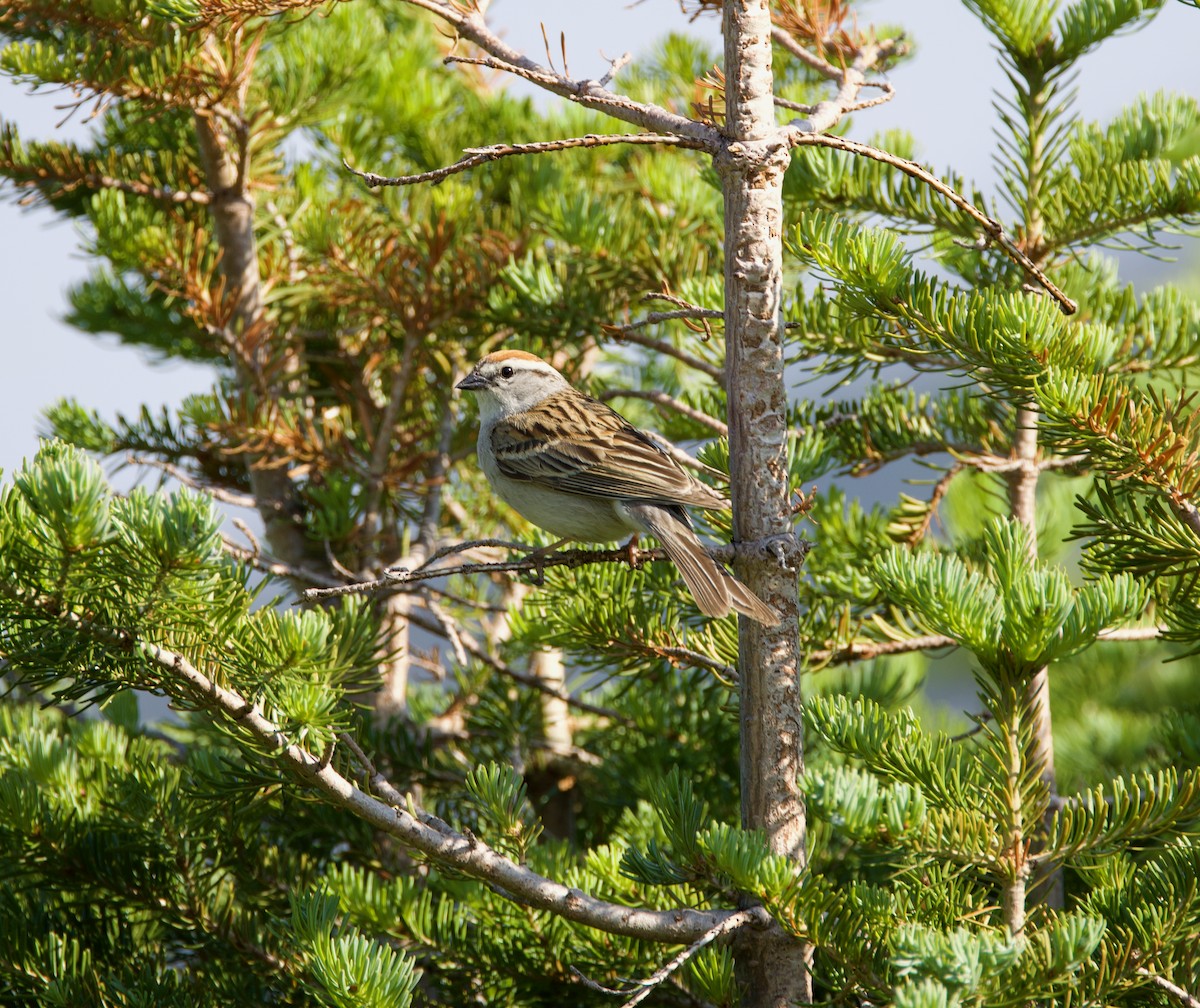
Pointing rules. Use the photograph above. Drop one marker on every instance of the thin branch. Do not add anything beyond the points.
(1063, 461)
(935, 498)
(475, 650)
(864, 651)
(450, 630)
(851, 81)
(278, 568)
(1132, 633)
(614, 67)
(755, 916)
(477, 544)
(661, 398)
(629, 334)
(381, 450)
(809, 59)
(798, 137)
(694, 311)
(792, 106)
(96, 181)
(686, 656)
(1177, 992)
(877, 649)
(398, 578)
(482, 155)
(181, 475)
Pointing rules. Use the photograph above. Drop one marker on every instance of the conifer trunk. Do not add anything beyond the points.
(771, 971)
(232, 211)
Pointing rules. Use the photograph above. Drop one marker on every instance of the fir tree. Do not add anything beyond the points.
(594, 783)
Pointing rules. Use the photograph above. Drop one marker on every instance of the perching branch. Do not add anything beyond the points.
(398, 578)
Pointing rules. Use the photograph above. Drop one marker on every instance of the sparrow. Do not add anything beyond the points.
(578, 469)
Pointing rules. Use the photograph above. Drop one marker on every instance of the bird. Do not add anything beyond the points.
(575, 467)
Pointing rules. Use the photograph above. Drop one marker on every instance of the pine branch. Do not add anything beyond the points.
(397, 815)
(798, 137)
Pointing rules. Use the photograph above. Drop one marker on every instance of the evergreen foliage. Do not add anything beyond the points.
(190, 862)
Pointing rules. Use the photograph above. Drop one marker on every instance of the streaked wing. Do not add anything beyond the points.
(575, 444)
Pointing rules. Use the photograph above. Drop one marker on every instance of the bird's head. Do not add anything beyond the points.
(511, 381)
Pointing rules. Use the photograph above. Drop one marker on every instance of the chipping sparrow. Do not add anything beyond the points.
(578, 469)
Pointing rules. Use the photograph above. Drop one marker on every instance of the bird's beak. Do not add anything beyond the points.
(473, 381)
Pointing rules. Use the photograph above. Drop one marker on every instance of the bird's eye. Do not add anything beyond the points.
(506, 372)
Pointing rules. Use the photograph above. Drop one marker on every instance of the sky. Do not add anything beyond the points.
(943, 96)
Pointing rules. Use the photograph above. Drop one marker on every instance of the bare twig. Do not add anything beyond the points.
(851, 81)
(756, 916)
(980, 720)
(935, 498)
(450, 630)
(614, 67)
(181, 475)
(792, 106)
(245, 529)
(686, 656)
(255, 558)
(877, 649)
(628, 334)
(1132, 633)
(693, 311)
(809, 59)
(481, 155)
(661, 398)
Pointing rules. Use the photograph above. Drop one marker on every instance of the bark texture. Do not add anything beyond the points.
(771, 969)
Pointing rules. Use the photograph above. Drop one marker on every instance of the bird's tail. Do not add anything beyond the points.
(716, 592)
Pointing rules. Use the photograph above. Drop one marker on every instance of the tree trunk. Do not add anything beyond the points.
(232, 211)
(771, 971)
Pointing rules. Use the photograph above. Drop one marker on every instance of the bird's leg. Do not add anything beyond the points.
(631, 551)
(538, 574)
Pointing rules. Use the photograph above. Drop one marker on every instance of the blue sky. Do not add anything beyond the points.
(943, 97)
